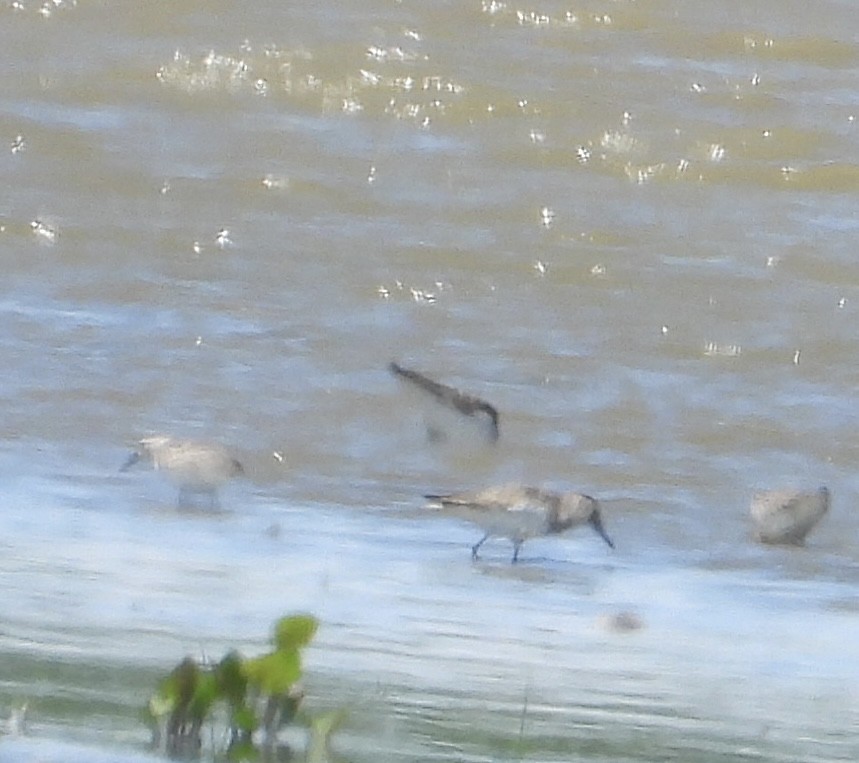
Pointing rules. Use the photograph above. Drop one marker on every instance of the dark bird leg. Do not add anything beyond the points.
(478, 545)
(517, 544)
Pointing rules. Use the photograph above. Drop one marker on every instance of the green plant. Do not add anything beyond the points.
(256, 697)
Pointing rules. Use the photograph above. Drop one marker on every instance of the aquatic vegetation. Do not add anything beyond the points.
(252, 699)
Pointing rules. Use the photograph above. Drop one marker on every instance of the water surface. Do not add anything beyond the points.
(628, 225)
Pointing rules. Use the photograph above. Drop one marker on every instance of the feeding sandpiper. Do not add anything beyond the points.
(196, 467)
(479, 411)
(787, 516)
(519, 512)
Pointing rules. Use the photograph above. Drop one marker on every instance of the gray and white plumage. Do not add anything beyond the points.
(520, 512)
(474, 408)
(194, 466)
(787, 516)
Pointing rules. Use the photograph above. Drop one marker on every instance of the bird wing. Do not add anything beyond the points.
(504, 497)
(466, 404)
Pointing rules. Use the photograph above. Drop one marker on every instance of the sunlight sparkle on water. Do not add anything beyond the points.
(547, 217)
(44, 231)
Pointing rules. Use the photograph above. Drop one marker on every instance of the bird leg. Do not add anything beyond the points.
(517, 544)
(478, 545)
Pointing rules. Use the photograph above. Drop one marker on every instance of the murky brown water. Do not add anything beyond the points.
(630, 225)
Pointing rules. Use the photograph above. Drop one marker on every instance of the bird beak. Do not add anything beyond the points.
(596, 523)
(130, 461)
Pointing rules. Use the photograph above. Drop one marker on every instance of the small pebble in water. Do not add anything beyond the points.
(624, 621)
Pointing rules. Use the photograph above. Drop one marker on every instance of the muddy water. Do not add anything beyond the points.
(629, 225)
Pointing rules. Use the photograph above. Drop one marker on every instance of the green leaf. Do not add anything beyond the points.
(294, 632)
(205, 694)
(321, 729)
(274, 673)
(176, 690)
(182, 682)
(245, 719)
(159, 706)
(243, 752)
(232, 683)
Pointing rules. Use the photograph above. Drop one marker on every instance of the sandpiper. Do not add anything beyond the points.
(196, 467)
(478, 410)
(787, 516)
(519, 512)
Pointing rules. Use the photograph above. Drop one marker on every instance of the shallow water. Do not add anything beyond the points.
(630, 226)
